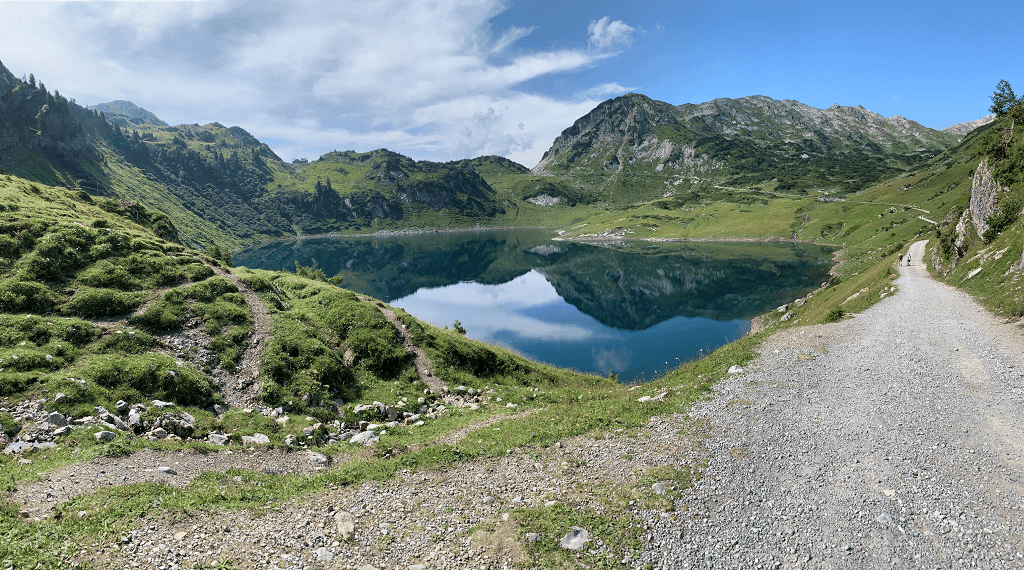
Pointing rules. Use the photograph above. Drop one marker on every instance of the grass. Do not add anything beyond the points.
(68, 298)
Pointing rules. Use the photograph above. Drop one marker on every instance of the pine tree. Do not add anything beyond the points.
(1003, 99)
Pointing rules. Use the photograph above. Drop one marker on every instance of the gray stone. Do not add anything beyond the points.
(532, 537)
(104, 435)
(392, 413)
(122, 406)
(159, 433)
(291, 441)
(346, 524)
(318, 459)
(787, 316)
(59, 398)
(219, 409)
(658, 488)
(368, 437)
(735, 369)
(166, 470)
(488, 500)
(575, 539)
(255, 439)
(56, 419)
(62, 431)
(324, 555)
(162, 404)
(217, 438)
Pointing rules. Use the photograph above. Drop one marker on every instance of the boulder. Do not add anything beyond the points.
(575, 539)
(368, 437)
(104, 435)
(217, 438)
(255, 439)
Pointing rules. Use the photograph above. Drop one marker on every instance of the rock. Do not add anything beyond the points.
(180, 536)
(318, 459)
(392, 413)
(217, 438)
(255, 439)
(119, 423)
(735, 369)
(56, 419)
(283, 420)
(417, 567)
(324, 555)
(575, 539)
(291, 440)
(367, 567)
(162, 404)
(59, 432)
(787, 316)
(488, 500)
(122, 406)
(158, 433)
(368, 437)
(346, 524)
(166, 470)
(135, 420)
(104, 435)
(783, 308)
(532, 537)
(658, 488)
(59, 398)
(219, 409)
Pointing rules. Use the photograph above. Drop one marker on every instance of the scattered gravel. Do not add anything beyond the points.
(898, 445)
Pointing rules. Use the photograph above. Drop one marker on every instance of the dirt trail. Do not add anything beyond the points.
(424, 368)
(241, 389)
(894, 439)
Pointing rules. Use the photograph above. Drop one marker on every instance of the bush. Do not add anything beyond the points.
(835, 315)
(40, 331)
(91, 302)
(210, 289)
(377, 351)
(129, 342)
(106, 274)
(198, 271)
(26, 296)
(154, 375)
(165, 315)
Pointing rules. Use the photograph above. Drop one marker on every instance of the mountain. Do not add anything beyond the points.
(751, 140)
(220, 185)
(964, 128)
(126, 113)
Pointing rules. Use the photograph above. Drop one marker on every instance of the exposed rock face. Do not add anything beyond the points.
(984, 197)
(964, 128)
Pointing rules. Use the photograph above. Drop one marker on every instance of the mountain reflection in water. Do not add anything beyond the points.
(635, 308)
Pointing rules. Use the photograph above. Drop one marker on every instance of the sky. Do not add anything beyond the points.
(446, 80)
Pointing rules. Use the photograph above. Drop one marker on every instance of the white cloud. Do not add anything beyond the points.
(510, 36)
(605, 90)
(605, 33)
(427, 79)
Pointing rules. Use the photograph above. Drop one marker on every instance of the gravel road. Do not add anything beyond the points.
(890, 440)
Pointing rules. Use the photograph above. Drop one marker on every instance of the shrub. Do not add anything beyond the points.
(198, 271)
(130, 342)
(167, 314)
(154, 375)
(26, 296)
(377, 351)
(834, 315)
(40, 331)
(106, 274)
(210, 289)
(92, 302)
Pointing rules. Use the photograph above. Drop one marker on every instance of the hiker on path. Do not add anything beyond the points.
(908, 260)
(901, 259)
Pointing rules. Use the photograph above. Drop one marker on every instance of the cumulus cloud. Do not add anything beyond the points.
(432, 80)
(605, 33)
(605, 90)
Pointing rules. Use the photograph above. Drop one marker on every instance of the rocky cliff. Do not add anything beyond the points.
(985, 193)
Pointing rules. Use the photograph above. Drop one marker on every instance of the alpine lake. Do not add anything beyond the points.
(633, 308)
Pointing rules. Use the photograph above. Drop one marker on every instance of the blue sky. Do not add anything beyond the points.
(456, 79)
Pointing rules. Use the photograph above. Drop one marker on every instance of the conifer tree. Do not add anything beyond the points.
(1003, 99)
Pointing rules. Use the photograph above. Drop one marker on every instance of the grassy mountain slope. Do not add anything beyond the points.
(634, 148)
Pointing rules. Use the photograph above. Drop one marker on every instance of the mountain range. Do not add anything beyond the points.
(220, 185)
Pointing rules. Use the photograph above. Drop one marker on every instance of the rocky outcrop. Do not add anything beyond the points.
(964, 128)
(984, 197)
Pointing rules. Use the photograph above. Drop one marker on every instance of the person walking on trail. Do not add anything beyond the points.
(901, 259)
(908, 260)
